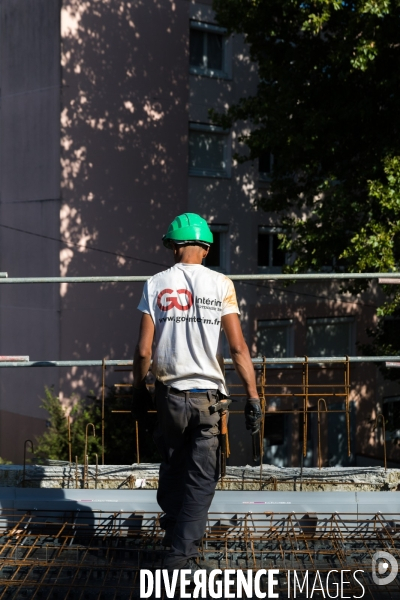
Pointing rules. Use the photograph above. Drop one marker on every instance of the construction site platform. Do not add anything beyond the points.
(91, 544)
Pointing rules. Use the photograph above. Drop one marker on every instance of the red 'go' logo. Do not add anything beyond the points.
(173, 301)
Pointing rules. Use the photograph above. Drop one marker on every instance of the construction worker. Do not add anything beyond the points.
(184, 310)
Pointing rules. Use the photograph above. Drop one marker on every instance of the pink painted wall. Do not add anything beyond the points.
(124, 164)
(29, 209)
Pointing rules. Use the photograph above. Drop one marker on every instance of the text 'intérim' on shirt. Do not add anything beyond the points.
(208, 301)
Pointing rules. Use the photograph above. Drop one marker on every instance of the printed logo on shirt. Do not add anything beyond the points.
(174, 301)
(208, 303)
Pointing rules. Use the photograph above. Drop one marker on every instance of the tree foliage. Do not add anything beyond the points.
(120, 431)
(327, 108)
(53, 443)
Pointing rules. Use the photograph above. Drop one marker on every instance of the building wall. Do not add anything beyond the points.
(29, 209)
(124, 166)
(123, 119)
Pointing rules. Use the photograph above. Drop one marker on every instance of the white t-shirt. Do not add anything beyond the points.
(186, 304)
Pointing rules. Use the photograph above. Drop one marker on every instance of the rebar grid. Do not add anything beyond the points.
(92, 555)
(306, 389)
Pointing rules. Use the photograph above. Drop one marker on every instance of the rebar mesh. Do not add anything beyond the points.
(304, 391)
(91, 555)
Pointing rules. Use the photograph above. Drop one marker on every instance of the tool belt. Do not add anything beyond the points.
(222, 407)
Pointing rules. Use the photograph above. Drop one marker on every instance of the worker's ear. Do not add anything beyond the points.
(205, 252)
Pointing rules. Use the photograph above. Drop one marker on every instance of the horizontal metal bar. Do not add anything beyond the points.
(243, 277)
(315, 276)
(227, 361)
(299, 395)
(295, 411)
(301, 385)
(68, 363)
(111, 279)
(318, 360)
(389, 280)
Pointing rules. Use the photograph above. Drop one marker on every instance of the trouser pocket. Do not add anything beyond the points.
(172, 416)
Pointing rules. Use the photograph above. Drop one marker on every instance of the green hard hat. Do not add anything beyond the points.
(188, 227)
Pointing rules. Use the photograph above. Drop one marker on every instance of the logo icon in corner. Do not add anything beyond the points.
(384, 568)
(174, 301)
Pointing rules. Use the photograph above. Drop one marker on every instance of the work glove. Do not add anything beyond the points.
(252, 415)
(142, 402)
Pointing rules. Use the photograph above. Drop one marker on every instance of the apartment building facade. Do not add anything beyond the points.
(105, 136)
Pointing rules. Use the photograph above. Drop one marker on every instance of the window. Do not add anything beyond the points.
(389, 329)
(265, 165)
(209, 151)
(277, 433)
(329, 337)
(391, 413)
(275, 338)
(208, 50)
(269, 256)
(217, 257)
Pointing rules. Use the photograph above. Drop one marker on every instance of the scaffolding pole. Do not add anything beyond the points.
(257, 362)
(381, 277)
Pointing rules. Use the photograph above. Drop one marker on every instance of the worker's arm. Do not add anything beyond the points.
(244, 368)
(240, 353)
(142, 356)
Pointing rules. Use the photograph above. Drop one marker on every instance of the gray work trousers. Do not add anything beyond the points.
(187, 435)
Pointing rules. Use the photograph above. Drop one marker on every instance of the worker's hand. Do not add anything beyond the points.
(252, 414)
(142, 402)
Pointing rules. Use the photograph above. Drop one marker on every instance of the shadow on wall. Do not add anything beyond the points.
(124, 163)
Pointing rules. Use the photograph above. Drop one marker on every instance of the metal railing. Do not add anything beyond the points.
(381, 277)
(289, 388)
(227, 361)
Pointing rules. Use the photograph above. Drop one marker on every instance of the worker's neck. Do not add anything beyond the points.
(189, 255)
